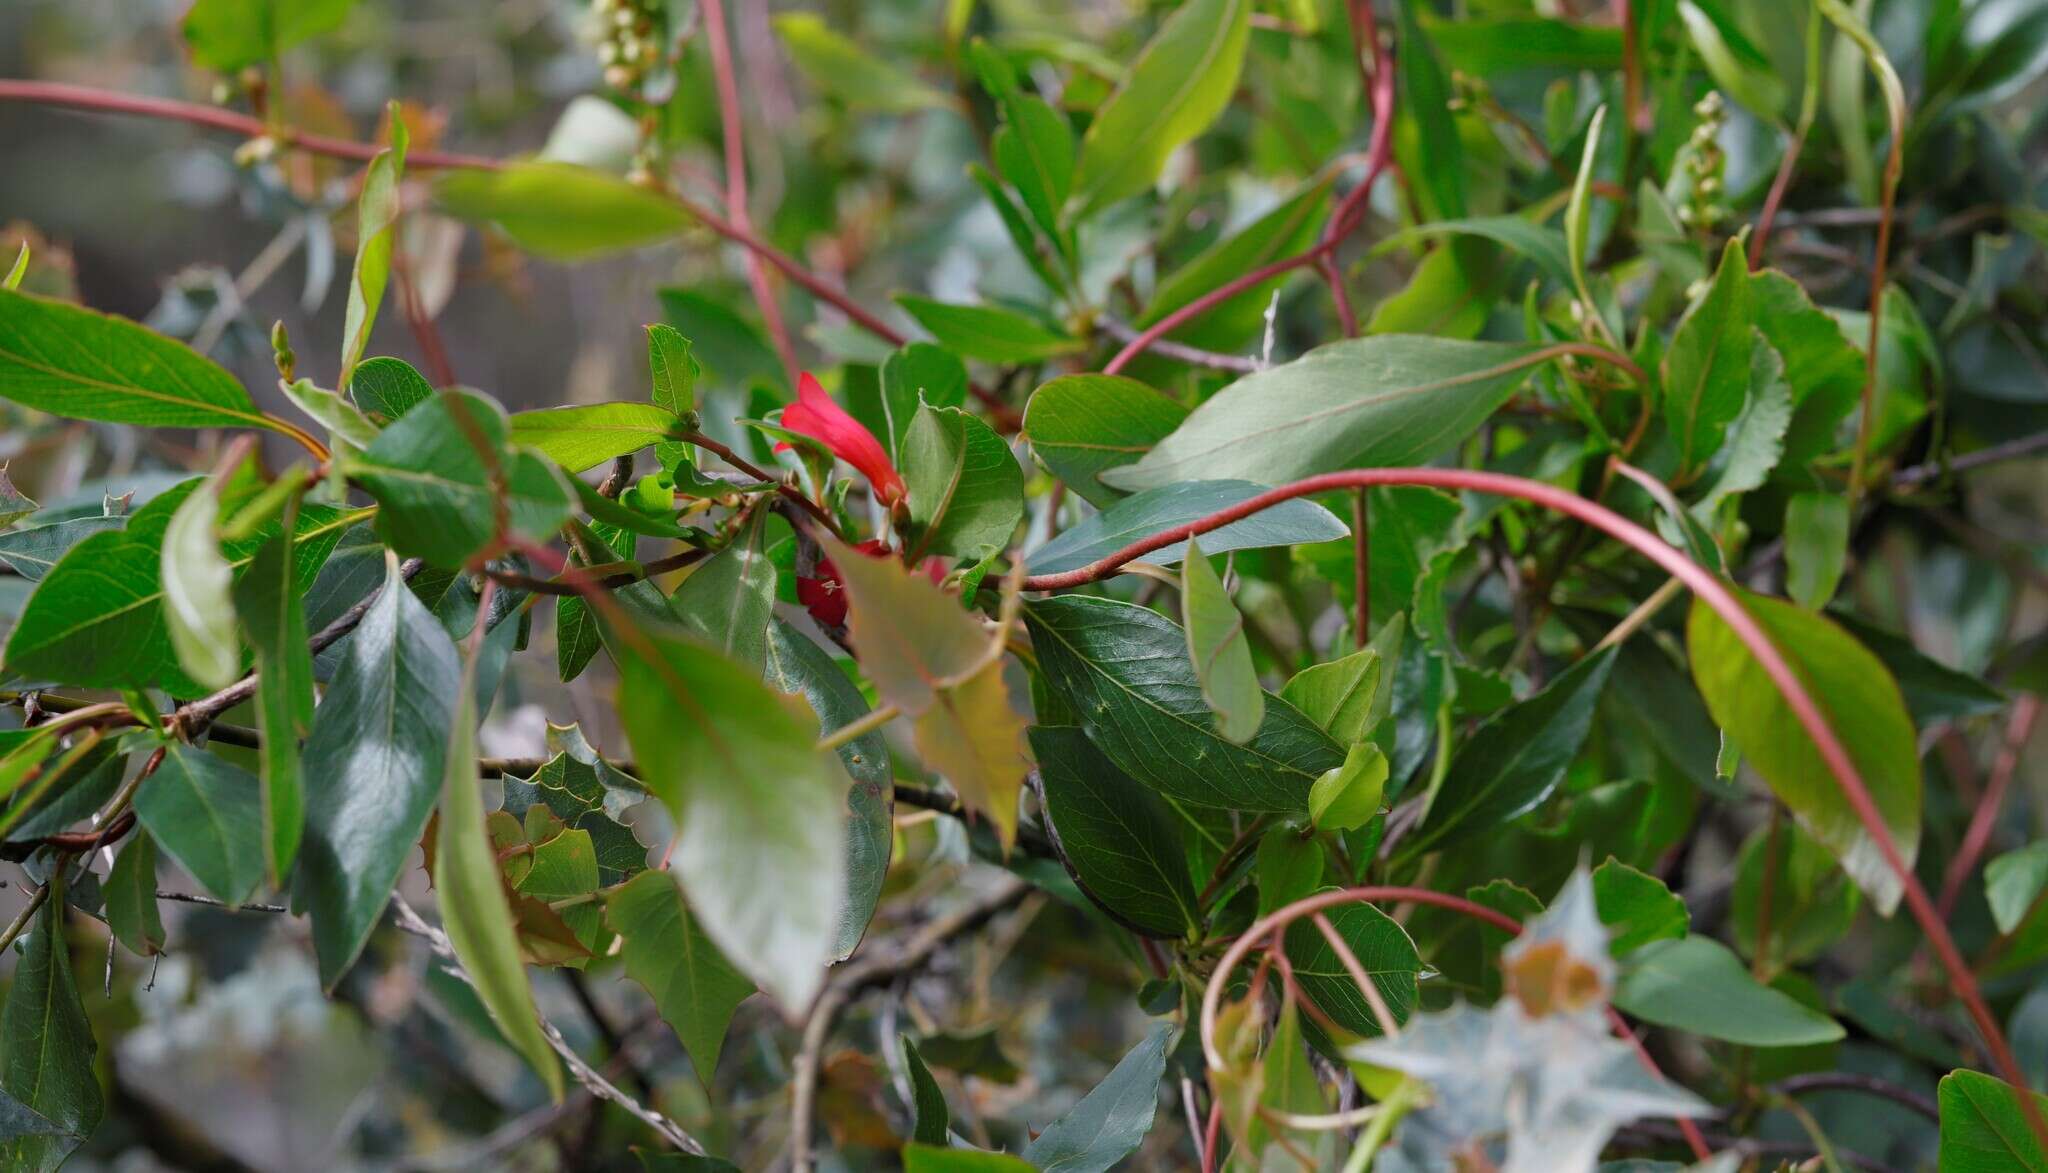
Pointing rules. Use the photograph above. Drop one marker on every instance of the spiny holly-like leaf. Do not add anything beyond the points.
(692, 984)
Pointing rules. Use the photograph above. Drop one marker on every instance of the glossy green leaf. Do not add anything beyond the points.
(378, 207)
(272, 612)
(1346, 696)
(1080, 425)
(988, 332)
(1934, 691)
(1695, 984)
(850, 74)
(1706, 371)
(1636, 907)
(1426, 143)
(1034, 149)
(579, 438)
(929, 1119)
(1347, 797)
(1816, 546)
(673, 371)
(199, 608)
(1122, 843)
(1290, 523)
(1390, 399)
(1124, 669)
(966, 489)
(374, 767)
(761, 839)
(923, 1158)
(559, 210)
(47, 1066)
(388, 387)
(1983, 1127)
(797, 665)
(130, 891)
(1517, 760)
(441, 481)
(1286, 867)
(471, 890)
(1217, 648)
(1110, 1122)
(1861, 703)
(1823, 368)
(227, 35)
(98, 617)
(1178, 86)
(207, 815)
(728, 601)
(1382, 947)
(76, 363)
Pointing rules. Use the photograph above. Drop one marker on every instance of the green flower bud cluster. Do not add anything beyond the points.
(629, 40)
(1704, 164)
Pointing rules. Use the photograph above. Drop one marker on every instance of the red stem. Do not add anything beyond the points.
(1267, 926)
(1712, 591)
(108, 101)
(1978, 837)
(736, 178)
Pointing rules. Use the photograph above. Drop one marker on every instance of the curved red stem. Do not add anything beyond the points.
(1710, 590)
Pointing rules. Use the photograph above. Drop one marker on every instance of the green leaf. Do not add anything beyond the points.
(1426, 143)
(1546, 247)
(1823, 368)
(1295, 522)
(1695, 984)
(559, 210)
(929, 1119)
(1706, 371)
(2013, 882)
(1636, 907)
(374, 766)
(130, 891)
(76, 363)
(922, 1158)
(727, 602)
(1811, 902)
(376, 231)
(268, 601)
(1286, 230)
(440, 498)
(343, 419)
(1111, 1121)
(844, 71)
(913, 376)
(1518, 759)
(1081, 425)
(47, 1066)
(1737, 66)
(673, 372)
(1391, 399)
(1034, 149)
(1125, 670)
(31, 552)
(1286, 867)
(1755, 443)
(1983, 1127)
(1178, 86)
(579, 438)
(1862, 705)
(587, 794)
(1816, 546)
(1121, 842)
(1934, 691)
(1382, 947)
(388, 387)
(1217, 648)
(1347, 696)
(797, 665)
(199, 609)
(207, 815)
(761, 845)
(1347, 797)
(471, 889)
(966, 490)
(228, 35)
(987, 332)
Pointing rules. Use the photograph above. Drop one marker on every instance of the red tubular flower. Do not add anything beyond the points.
(814, 414)
(825, 596)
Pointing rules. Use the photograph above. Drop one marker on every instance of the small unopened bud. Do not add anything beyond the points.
(281, 351)
(260, 149)
(618, 77)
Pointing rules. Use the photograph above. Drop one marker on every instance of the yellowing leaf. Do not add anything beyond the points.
(973, 738)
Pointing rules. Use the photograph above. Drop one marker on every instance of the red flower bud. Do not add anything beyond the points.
(814, 414)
